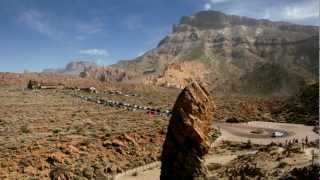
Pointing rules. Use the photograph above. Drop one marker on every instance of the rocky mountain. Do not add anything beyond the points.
(73, 68)
(90, 70)
(237, 54)
(105, 73)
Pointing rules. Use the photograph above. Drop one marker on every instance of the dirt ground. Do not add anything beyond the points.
(44, 129)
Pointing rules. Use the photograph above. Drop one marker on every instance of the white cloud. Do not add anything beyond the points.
(56, 27)
(39, 22)
(95, 52)
(207, 6)
(301, 11)
(218, 1)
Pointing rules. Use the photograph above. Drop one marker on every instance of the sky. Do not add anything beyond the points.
(39, 34)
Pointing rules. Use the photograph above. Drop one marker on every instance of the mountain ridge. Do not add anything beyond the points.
(231, 48)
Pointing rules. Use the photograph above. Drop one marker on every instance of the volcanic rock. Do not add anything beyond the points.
(60, 173)
(187, 138)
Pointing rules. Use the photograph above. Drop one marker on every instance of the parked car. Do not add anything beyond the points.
(277, 134)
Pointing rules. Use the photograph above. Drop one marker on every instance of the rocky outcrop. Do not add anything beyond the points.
(105, 73)
(187, 138)
(178, 75)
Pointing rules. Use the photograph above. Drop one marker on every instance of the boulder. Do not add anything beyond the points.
(59, 173)
(187, 139)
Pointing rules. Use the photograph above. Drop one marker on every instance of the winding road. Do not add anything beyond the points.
(261, 132)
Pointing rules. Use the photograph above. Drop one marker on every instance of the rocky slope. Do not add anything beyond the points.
(73, 68)
(105, 73)
(303, 107)
(238, 53)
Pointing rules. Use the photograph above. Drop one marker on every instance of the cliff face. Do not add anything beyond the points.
(234, 50)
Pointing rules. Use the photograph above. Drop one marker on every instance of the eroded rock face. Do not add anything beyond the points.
(234, 50)
(187, 136)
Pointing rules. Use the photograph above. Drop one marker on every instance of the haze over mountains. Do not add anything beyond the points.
(232, 53)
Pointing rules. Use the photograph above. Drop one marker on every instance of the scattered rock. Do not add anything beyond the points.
(88, 172)
(117, 143)
(112, 169)
(69, 149)
(187, 138)
(114, 143)
(214, 166)
(60, 173)
(131, 139)
(55, 157)
(30, 170)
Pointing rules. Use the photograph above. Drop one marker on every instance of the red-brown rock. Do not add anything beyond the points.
(187, 137)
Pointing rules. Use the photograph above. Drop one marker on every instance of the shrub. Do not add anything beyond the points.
(282, 164)
(25, 129)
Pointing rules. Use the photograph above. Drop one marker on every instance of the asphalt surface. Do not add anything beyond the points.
(261, 132)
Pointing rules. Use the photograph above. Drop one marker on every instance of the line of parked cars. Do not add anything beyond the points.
(124, 105)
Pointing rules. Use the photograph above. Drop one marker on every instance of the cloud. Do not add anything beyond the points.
(58, 28)
(295, 11)
(95, 52)
(301, 10)
(207, 6)
(218, 1)
(39, 22)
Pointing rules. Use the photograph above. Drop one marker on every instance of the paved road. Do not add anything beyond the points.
(242, 132)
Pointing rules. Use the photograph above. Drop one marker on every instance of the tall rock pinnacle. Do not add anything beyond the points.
(187, 137)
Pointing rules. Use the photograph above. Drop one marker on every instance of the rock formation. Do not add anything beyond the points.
(178, 75)
(187, 137)
(239, 53)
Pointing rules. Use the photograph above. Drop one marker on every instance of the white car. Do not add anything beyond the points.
(277, 134)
